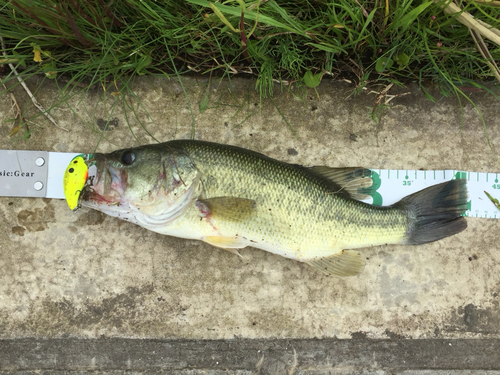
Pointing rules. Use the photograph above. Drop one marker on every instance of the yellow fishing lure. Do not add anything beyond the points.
(75, 179)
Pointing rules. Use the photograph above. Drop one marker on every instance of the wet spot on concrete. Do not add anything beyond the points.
(63, 316)
(477, 319)
(38, 219)
(292, 151)
(394, 336)
(107, 126)
(18, 230)
(72, 228)
(359, 335)
(91, 217)
(471, 316)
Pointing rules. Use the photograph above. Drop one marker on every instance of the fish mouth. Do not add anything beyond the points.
(109, 183)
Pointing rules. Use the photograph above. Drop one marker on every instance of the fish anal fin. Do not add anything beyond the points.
(227, 243)
(226, 208)
(356, 181)
(344, 263)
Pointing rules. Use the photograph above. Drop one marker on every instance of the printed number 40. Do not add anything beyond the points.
(406, 183)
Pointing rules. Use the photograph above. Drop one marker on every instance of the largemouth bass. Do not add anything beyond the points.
(231, 198)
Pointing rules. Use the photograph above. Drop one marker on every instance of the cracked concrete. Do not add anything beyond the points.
(85, 275)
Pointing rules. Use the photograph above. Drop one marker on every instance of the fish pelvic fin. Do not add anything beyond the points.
(344, 263)
(355, 181)
(435, 212)
(227, 243)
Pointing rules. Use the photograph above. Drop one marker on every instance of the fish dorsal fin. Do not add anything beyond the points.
(356, 181)
(227, 208)
(344, 263)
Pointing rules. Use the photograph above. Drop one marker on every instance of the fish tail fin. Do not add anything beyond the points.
(435, 212)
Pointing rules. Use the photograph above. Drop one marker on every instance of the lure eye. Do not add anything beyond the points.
(128, 157)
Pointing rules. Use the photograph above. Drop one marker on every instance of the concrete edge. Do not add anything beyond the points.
(260, 356)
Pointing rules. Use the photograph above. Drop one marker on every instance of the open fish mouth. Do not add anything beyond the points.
(109, 184)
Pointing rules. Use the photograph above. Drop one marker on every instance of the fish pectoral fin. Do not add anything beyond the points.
(230, 208)
(227, 243)
(345, 263)
(356, 181)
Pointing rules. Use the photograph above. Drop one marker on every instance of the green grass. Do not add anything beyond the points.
(107, 43)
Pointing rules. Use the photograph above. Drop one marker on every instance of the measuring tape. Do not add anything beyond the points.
(40, 174)
(392, 185)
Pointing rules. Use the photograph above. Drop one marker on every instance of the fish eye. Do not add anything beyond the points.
(128, 158)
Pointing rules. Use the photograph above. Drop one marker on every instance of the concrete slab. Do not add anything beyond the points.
(88, 276)
(257, 356)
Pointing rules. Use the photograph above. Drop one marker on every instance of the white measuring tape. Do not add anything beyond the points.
(396, 184)
(22, 174)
